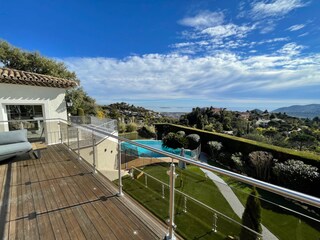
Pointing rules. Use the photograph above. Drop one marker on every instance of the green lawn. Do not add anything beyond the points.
(283, 223)
(197, 222)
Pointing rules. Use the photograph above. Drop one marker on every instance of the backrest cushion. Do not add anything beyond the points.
(13, 136)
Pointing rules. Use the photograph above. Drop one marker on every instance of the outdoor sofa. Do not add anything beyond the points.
(13, 143)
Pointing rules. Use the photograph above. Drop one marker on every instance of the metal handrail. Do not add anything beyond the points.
(301, 197)
(199, 202)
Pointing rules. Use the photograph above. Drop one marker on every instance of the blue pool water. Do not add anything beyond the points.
(142, 152)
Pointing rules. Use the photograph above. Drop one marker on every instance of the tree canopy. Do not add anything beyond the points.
(15, 58)
(251, 217)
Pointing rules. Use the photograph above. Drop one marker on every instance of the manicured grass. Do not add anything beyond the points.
(197, 222)
(281, 222)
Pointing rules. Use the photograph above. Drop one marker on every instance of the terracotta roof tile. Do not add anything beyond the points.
(13, 76)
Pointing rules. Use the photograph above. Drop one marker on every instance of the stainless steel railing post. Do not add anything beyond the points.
(119, 169)
(78, 143)
(94, 152)
(59, 123)
(68, 140)
(172, 175)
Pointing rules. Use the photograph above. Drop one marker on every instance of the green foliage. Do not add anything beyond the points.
(15, 58)
(181, 133)
(214, 148)
(297, 175)
(275, 127)
(225, 159)
(193, 141)
(251, 217)
(80, 99)
(80, 112)
(121, 127)
(173, 140)
(147, 132)
(261, 163)
(131, 127)
(237, 161)
(302, 139)
(238, 144)
(257, 137)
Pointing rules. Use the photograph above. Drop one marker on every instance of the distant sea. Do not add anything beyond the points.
(189, 109)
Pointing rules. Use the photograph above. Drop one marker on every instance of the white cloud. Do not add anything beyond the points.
(296, 27)
(291, 49)
(227, 30)
(203, 19)
(173, 76)
(304, 34)
(274, 8)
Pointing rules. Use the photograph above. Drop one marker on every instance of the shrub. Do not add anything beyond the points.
(225, 159)
(193, 141)
(214, 148)
(121, 127)
(237, 161)
(80, 112)
(131, 127)
(181, 133)
(297, 175)
(251, 217)
(237, 144)
(100, 114)
(173, 140)
(147, 132)
(261, 162)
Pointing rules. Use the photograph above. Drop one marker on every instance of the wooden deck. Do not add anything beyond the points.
(56, 197)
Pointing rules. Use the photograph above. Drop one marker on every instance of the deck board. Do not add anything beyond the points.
(57, 197)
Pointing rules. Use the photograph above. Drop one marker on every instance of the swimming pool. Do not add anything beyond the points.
(142, 152)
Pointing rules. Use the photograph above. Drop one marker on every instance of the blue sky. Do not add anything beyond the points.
(175, 55)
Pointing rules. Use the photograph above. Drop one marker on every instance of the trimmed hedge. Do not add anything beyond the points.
(237, 144)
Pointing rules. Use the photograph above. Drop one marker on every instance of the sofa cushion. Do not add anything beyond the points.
(14, 148)
(15, 136)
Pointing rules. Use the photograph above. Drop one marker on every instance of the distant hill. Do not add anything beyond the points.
(301, 111)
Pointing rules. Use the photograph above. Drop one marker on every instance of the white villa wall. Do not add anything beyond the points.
(51, 99)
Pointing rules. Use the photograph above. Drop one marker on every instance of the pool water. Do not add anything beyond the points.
(142, 152)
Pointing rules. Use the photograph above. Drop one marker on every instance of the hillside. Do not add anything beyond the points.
(301, 111)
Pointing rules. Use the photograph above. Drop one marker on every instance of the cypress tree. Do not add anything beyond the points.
(251, 217)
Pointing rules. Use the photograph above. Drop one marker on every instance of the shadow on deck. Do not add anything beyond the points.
(57, 197)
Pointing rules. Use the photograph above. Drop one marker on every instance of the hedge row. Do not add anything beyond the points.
(237, 144)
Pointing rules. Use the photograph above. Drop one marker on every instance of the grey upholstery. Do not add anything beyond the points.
(13, 143)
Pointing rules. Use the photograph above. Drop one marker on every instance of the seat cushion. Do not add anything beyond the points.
(15, 136)
(13, 149)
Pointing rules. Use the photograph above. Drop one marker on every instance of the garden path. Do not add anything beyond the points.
(231, 198)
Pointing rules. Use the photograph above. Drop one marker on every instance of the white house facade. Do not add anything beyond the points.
(32, 101)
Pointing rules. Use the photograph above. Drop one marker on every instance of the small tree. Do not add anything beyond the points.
(302, 139)
(251, 217)
(261, 163)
